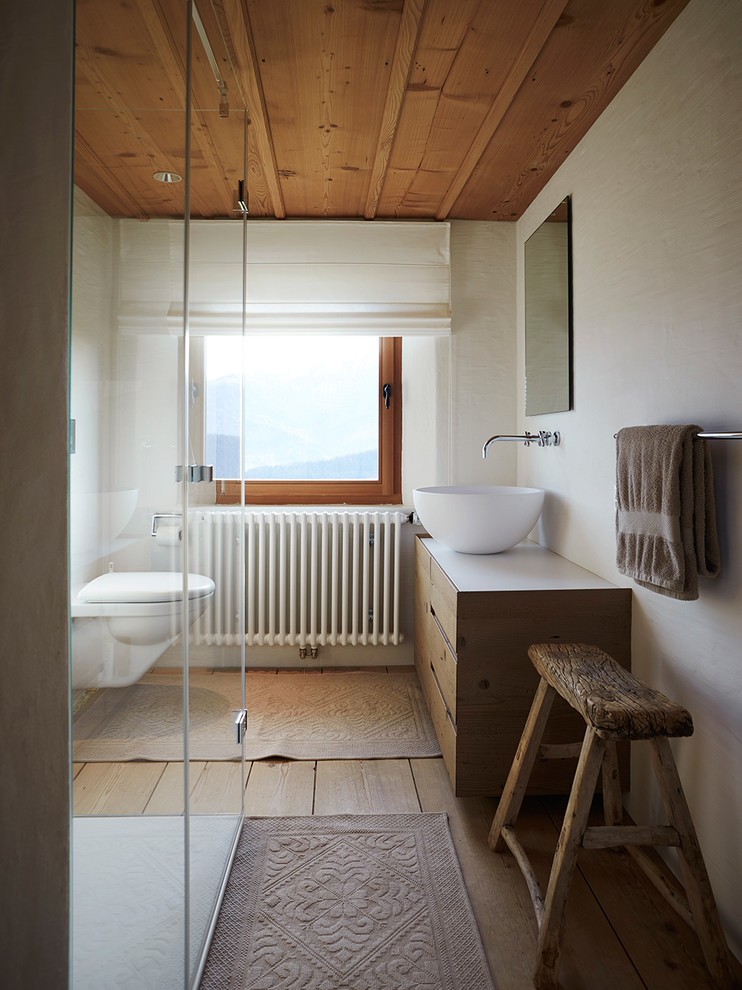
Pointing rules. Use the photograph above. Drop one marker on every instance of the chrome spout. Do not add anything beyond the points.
(544, 438)
(526, 441)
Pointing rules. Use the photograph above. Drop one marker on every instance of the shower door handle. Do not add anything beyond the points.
(240, 722)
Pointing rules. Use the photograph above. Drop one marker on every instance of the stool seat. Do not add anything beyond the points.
(610, 698)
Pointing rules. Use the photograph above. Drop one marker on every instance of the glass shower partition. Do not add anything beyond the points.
(156, 804)
(214, 303)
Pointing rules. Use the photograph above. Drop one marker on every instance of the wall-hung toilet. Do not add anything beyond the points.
(124, 621)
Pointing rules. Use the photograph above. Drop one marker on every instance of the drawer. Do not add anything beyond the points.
(444, 726)
(424, 670)
(443, 602)
(444, 665)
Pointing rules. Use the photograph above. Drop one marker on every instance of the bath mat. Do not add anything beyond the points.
(302, 716)
(372, 902)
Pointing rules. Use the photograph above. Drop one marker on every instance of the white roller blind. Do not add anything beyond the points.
(382, 277)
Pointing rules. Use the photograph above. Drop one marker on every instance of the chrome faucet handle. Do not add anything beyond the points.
(548, 439)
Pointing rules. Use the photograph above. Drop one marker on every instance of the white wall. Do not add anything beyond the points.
(483, 351)
(657, 226)
(90, 372)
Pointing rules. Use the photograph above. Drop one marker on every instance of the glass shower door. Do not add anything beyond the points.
(156, 808)
(129, 908)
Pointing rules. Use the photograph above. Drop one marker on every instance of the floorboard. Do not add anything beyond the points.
(277, 789)
(365, 787)
(115, 788)
(663, 948)
(218, 790)
(592, 956)
(168, 796)
(497, 893)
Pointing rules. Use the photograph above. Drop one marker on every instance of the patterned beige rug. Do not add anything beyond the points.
(368, 902)
(305, 716)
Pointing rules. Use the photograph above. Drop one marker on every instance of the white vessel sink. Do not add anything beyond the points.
(478, 518)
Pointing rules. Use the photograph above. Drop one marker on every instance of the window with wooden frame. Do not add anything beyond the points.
(322, 418)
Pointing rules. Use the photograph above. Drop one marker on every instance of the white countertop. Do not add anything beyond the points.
(527, 567)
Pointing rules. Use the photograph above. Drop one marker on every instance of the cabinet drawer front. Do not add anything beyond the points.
(444, 727)
(444, 665)
(443, 602)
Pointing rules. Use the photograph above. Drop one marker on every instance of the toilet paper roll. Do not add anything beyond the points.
(168, 536)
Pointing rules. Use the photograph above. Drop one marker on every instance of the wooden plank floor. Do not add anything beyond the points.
(620, 933)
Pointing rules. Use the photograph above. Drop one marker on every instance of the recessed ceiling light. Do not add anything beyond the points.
(168, 177)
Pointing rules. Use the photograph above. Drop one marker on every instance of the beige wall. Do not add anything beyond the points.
(657, 218)
(483, 351)
(35, 68)
(460, 390)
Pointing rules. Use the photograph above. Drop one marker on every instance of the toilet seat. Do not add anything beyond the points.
(123, 622)
(144, 586)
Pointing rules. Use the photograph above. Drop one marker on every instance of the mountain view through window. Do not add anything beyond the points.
(311, 407)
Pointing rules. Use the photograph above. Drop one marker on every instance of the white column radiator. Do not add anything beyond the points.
(310, 578)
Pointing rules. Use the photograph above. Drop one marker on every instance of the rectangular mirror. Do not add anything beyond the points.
(548, 279)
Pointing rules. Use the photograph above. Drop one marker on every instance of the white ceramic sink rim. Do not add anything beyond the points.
(478, 519)
(478, 490)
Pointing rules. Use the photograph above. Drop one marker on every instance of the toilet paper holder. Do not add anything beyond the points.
(194, 472)
(158, 517)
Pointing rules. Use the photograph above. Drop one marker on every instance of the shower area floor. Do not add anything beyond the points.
(129, 895)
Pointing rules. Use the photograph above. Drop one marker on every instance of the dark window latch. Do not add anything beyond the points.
(387, 393)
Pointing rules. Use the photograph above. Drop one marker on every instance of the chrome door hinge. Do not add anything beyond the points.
(240, 722)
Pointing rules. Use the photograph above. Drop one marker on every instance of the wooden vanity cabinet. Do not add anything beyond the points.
(475, 618)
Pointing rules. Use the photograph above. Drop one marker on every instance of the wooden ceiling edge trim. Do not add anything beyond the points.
(254, 96)
(404, 52)
(537, 37)
(84, 150)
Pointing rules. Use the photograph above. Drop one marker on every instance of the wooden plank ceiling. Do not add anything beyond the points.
(425, 109)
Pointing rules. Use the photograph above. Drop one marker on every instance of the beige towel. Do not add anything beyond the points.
(665, 510)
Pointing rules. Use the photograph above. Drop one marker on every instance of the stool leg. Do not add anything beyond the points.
(695, 878)
(612, 799)
(565, 859)
(522, 765)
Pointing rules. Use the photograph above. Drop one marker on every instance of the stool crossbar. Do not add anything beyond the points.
(616, 706)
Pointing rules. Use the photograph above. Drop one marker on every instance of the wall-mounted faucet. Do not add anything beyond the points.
(544, 438)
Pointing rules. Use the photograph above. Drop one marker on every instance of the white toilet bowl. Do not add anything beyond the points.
(124, 621)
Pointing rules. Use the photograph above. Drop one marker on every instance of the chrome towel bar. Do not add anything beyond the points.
(710, 436)
(721, 436)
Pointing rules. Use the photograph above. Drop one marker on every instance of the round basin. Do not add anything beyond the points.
(478, 518)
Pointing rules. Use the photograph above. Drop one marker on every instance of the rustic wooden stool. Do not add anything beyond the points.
(616, 706)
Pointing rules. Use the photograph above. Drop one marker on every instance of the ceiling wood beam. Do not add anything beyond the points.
(241, 48)
(537, 37)
(404, 54)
